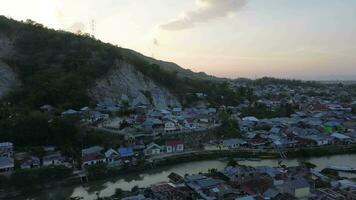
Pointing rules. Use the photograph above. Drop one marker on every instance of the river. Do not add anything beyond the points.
(151, 176)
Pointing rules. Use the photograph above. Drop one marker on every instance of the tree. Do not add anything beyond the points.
(309, 165)
(353, 111)
(229, 128)
(232, 163)
(330, 172)
(212, 171)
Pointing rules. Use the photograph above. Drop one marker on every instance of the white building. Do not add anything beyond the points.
(53, 159)
(169, 127)
(174, 146)
(6, 165)
(6, 149)
(152, 149)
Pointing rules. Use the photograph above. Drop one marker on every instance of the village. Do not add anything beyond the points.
(239, 182)
(319, 117)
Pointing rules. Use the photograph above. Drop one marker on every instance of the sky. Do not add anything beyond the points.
(302, 39)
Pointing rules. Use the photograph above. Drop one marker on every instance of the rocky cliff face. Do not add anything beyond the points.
(8, 78)
(124, 82)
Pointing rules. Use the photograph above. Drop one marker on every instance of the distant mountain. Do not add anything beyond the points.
(172, 67)
(43, 66)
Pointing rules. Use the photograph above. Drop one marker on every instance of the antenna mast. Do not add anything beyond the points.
(92, 26)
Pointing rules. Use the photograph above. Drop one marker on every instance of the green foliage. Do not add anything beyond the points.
(27, 180)
(55, 67)
(212, 171)
(309, 165)
(288, 82)
(353, 111)
(329, 172)
(262, 111)
(229, 128)
(97, 172)
(232, 163)
(34, 129)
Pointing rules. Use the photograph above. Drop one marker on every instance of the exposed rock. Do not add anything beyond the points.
(8, 79)
(125, 80)
(6, 46)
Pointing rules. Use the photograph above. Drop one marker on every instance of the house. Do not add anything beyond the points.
(298, 187)
(314, 139)
(30, 162)
(92, 156)
(169, 127)
(69, 112)
(341, 138)
(126, 152)
(174, 146)
(95, 116)
(203, 185)
(239, 173)
(111, 156)
(234, 143)
(47, 108)
(152, 149)
(177, 111)
(6, 165)
(169, 191)
(6, 149)
(53, 159)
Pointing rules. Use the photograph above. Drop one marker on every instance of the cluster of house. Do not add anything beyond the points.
(165, 121)
(144, 118)
(300, 130)
(236, 183)
(340, 190)
(125, 156)
(249, 183)
(27, 160)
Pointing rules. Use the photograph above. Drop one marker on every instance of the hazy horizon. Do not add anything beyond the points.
(225, 38)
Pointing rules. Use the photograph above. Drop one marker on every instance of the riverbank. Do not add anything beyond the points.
(145, 178)
(259, 154)
(172, 160)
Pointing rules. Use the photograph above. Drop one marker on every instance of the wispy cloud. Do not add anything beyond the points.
(76, 27)
(207, 10)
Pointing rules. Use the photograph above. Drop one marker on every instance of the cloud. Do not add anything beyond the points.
(155, 42)
(207, 10)
(76, 27)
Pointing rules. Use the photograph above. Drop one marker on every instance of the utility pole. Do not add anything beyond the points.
(92, 27)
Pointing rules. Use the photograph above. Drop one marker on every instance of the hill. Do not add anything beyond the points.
(45, 66)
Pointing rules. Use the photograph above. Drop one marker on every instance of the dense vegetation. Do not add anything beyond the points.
(288, 82)
(262, 111)
(29, 181)
(229, 127)
(55, 67)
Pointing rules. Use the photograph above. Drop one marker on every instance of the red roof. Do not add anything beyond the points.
(92, 157)
(174, 142)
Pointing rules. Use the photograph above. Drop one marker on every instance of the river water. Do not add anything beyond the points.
(151, 176)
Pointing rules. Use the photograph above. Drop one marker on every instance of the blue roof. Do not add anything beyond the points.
(126, 152)
(91, 150)
(209, 182)
(332, 123)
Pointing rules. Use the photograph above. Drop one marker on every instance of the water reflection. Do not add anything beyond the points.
(151, 176)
